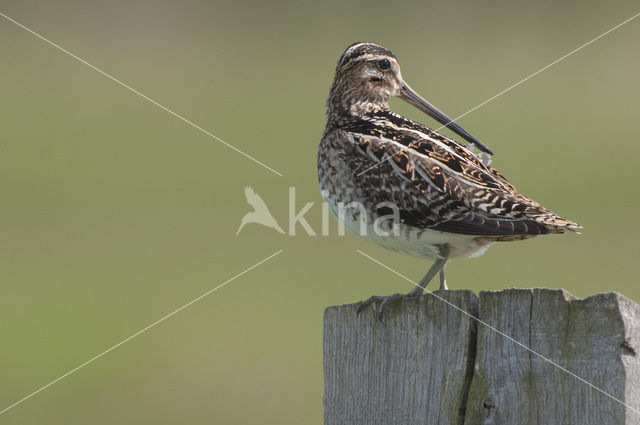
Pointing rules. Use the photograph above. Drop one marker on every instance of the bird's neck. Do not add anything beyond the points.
(344, 107)
(341, 114)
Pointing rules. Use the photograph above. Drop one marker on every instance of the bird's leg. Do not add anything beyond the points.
(438, 266)
(435, 268)
(443, 280)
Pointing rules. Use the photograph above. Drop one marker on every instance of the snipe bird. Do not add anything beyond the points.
(450, 202)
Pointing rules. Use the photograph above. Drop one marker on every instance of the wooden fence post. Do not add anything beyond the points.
(429, 363)
(414, 366)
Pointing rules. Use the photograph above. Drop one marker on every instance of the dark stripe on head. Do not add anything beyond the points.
(356, 50)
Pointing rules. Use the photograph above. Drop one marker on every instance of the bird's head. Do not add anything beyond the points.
(367, 76)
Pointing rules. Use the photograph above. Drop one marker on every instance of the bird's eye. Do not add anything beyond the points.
(384, 64)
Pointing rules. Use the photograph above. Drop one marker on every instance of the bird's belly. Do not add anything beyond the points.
(405, 239)
(427, 243)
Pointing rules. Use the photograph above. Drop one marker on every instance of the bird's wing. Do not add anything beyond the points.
(420, 139)
(441, 185)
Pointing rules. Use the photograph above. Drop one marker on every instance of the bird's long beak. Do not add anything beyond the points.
(410, 96)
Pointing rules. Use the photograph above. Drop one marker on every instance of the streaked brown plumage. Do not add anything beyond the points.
(451, 203)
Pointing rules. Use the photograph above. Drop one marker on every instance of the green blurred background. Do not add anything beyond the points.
(114, 213)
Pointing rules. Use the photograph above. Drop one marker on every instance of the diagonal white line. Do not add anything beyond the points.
(139, 332)
(513, 86)
(502, 334)
(175, 114)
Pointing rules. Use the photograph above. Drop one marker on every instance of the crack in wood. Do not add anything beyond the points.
(431, 364)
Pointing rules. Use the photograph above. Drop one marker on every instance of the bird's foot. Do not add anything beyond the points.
(384, 302)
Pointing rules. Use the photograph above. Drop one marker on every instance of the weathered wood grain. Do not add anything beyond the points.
(595, 338)
(418, 366)
(413, 369)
